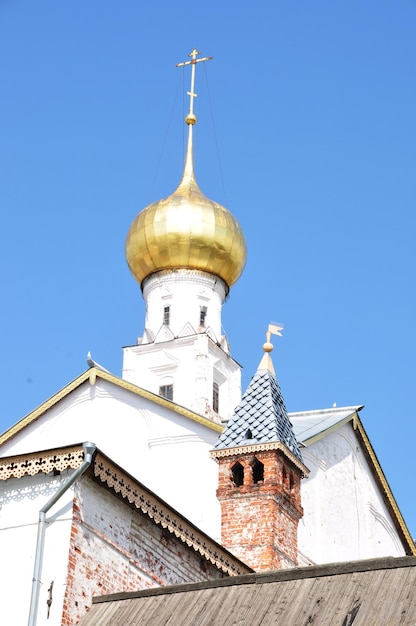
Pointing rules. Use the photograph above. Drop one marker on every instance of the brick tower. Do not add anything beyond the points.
(260, 469)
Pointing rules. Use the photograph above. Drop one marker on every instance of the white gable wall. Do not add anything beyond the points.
(167, 452)
(345, 517)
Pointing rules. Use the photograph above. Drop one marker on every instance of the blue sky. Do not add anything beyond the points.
(306, 133)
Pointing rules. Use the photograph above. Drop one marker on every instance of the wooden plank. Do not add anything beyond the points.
(362, 598)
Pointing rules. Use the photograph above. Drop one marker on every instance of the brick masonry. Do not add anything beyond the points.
(114, 548)
(259, 517)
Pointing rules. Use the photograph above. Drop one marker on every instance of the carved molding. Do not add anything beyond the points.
(260, 447)
(46, 462)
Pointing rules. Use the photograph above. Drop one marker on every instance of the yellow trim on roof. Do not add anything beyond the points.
(92, 374)
(153, 397)
(40, 410)
(385, 485)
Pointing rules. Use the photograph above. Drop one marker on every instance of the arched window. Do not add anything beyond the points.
(202, 315)
(166, 315)
(166, 391)
(215, 397)
(237, 474)
(284, 477)
(258, 471)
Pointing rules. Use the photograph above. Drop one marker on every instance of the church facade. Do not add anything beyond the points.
(188, 480)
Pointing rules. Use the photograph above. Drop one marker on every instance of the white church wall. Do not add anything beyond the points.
(191, 364)
(20, 502)
(345, 517)
(166, 451)
(344, 513)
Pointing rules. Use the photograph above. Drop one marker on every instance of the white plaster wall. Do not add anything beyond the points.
(20, 502)
(345, 517)
(167, 452)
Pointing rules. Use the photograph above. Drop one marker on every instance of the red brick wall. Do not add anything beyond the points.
(259, 521)
(115, 548)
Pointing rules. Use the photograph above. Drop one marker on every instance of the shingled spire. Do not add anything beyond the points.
(260, 469)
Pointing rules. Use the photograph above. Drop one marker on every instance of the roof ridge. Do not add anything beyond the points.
(281, 575)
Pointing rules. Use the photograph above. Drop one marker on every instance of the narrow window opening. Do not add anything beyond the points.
(249, 434)
(291, 481)
(258, 471)
(166, 391)
(166, 315)
(202, 315)
(284, 477)
(237, 474)
(215, 397)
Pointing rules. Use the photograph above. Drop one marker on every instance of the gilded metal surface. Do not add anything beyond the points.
(186, 230)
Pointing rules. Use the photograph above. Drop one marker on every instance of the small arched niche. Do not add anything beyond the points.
(258, 471)
(237, 474)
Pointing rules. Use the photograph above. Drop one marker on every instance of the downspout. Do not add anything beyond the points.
(89, 449)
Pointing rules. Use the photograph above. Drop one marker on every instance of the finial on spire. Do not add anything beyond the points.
(190, 119)
(188, 177)
(266, 362)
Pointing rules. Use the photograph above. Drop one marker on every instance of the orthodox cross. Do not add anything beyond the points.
(192, 93)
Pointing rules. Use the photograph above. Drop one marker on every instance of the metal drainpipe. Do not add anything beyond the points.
(89, 449)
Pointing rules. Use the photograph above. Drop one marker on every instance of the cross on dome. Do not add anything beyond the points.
(191, 117)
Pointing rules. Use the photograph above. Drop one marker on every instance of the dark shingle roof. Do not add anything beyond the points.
(261, 417)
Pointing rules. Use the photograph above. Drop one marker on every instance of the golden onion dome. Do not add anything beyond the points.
(186, 230)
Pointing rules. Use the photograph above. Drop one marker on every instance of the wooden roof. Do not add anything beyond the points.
(361, 593)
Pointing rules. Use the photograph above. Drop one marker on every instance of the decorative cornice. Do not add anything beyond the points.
(260, 447)
(177, 275)
(162, 514)
(41, 462)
